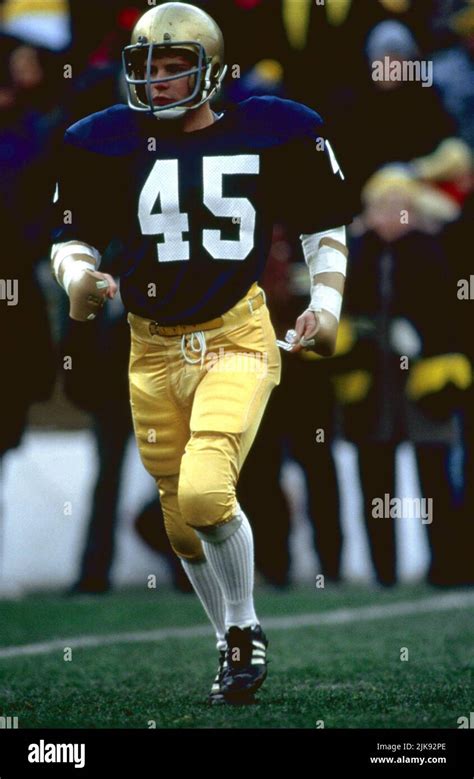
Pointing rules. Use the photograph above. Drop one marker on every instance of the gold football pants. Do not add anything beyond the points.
(197, 400)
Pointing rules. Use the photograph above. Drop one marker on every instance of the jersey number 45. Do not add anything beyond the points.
(163, 182)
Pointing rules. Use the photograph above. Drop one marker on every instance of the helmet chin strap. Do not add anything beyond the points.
(178, 113)
(171, 113)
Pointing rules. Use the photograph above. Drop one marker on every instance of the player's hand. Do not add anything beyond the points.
(88, 293)
(306, 328)
(303, 336)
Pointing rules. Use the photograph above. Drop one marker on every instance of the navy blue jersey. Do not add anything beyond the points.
(185, 219)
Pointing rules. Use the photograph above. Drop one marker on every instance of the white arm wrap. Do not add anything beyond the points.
(73, 271)
(326, 259)
(60, 251)
(327, 299)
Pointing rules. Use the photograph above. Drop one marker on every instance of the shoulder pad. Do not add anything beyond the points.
(112, 132)
(284, 119)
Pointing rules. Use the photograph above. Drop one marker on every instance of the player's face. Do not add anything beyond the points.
(164, 66)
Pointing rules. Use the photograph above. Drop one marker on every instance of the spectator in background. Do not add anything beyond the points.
(325, 61)
(454, 75)
(457, 241)
(292, 430)
(100, 351)
(43, 23)
(390, 121)
(320, 44)
(405, 376)
(25, 191)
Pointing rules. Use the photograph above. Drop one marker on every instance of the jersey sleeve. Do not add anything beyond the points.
(313, 193)
(84, 204)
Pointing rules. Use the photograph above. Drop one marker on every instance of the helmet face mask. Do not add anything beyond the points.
(156, 35)
(138, 61)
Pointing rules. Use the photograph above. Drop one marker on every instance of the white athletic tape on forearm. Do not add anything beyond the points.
(324, 298)
(73, 271)
(60, 251)
(324, 259)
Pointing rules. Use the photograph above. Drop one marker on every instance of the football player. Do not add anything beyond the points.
(183, 199)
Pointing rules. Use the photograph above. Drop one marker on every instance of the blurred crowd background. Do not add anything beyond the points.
(403, 367)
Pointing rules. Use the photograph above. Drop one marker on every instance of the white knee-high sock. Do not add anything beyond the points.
(232, 560)
(209, 592)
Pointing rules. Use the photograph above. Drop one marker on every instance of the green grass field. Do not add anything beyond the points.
(346, 674)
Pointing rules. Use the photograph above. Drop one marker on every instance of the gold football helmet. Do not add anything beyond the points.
(174, 26)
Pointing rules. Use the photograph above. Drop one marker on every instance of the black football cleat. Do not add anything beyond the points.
(246, 664)
(216, 696)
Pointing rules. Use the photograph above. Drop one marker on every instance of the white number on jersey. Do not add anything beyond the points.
(239, 209)
(163, 184)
